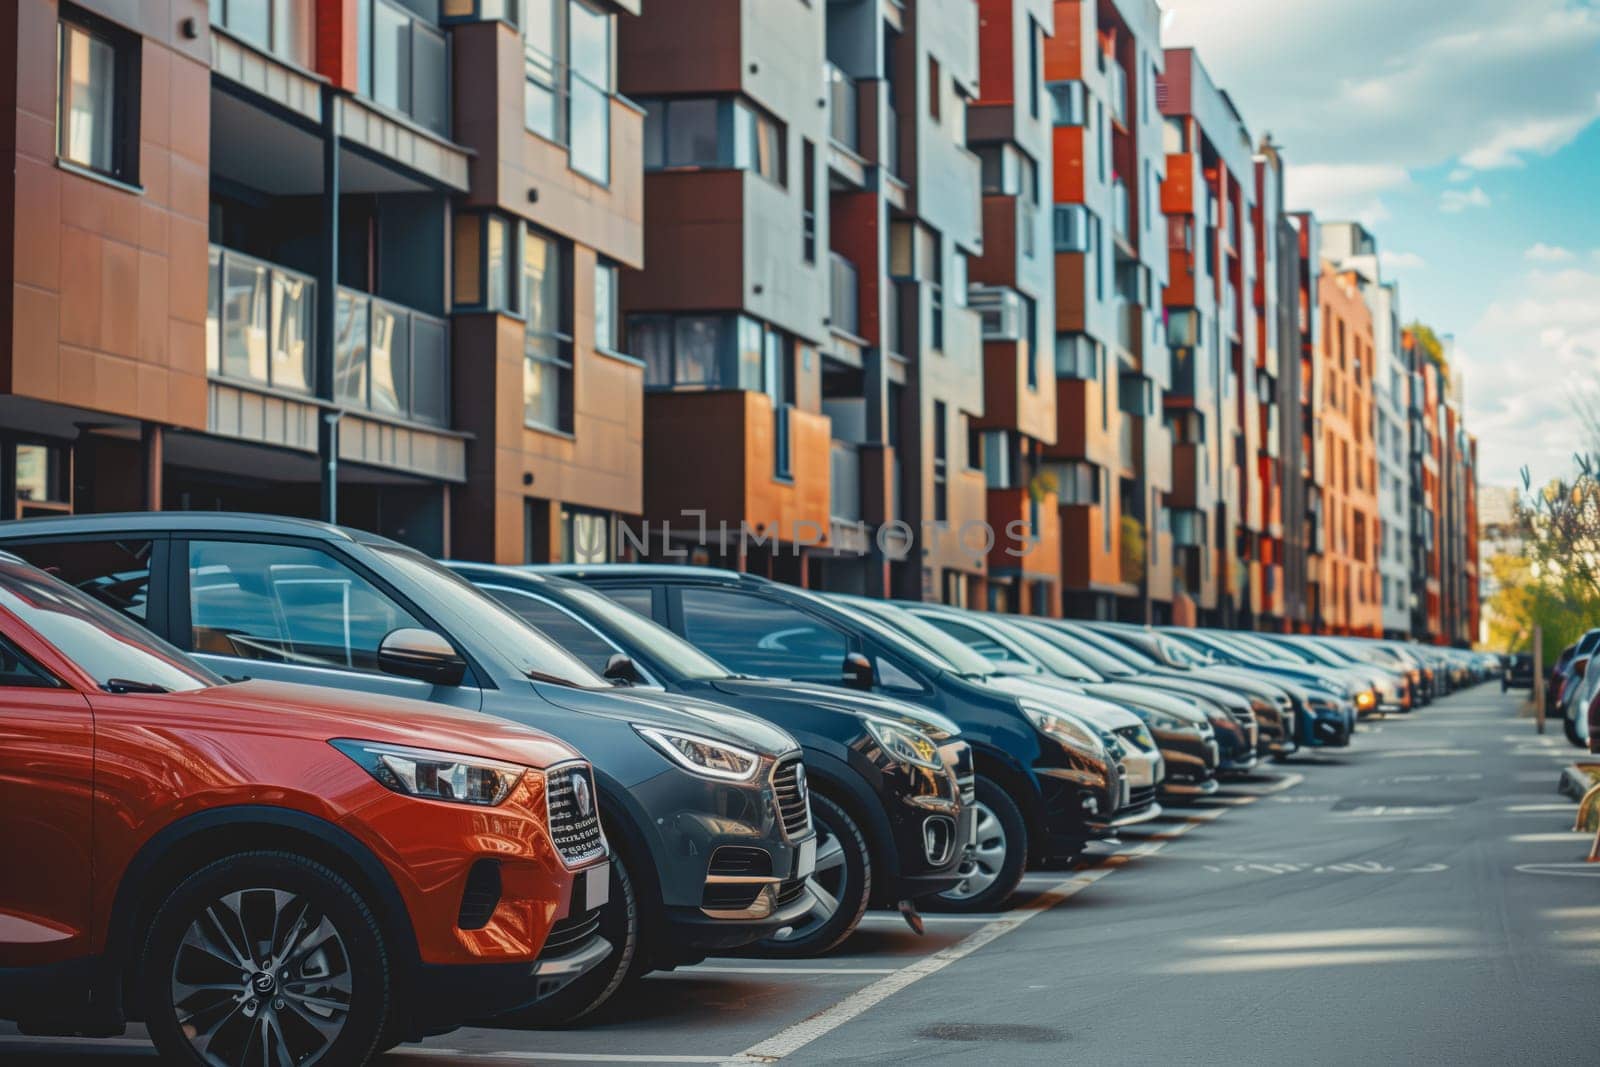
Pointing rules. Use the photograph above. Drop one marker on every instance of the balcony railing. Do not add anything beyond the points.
(845, 487)
(402, 63)
(260, 323)
(843, 127)
(844, 299)
(391, 360)
(284, 28)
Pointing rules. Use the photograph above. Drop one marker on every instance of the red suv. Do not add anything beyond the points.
(269, 873)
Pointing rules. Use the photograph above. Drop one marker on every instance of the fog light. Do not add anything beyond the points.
(938, 839)
(1091, 805)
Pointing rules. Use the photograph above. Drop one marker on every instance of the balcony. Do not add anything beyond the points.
(285, 29)
(844, 127)
(1117, 91)
(844, 295)
(390, 360)
(844, 491)
(402, 64)
(260, 323)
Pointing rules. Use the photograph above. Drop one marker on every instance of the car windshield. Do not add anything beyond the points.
(1202, 647)
(118, 654)
(1181, 653)
(1129, 655)
(1092, 655)
(1055, 659)
(531, 652)
(963, 657)
(677, 655)
(890, 625)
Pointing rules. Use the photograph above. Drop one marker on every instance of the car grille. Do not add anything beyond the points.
(1140, 797)
(741, 861)
(794, 806)
(1243, 716)
(481, 895)
(730, 896)
(570, 933)
(576, 832)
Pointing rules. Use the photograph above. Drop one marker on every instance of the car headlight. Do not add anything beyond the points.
(418, 772)
(1366, 699)
(1062, 729)
(903, 743)
(702, 755)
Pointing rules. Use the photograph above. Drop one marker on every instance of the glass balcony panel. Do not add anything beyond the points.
(430, 384)
(294, 313)
(591, 130)
(350, 349)
(245, 299)
(213, 311)
(845, 486)
(391, 57)
(430, 106)
(844, 295)
(842, 117)
(390, 358)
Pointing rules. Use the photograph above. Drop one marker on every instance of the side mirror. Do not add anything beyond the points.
(411, 652)
(858, 672)
(620, 670)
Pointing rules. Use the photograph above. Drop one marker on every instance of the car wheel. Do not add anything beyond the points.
(265, 958)
(1569, 726)
(619, 925)
(994, 863)
(841, 885)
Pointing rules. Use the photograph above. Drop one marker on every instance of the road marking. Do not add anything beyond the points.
(793, 1038)
(1422, 753)
(512, 1056)
(704, 968)
(1562, 870)
(1529, 809)
(1568, 837)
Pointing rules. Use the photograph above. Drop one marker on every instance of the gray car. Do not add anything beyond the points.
(706, 808)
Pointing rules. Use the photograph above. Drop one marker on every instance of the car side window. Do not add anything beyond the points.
(114, 572)
(891, 676)
(754, 635)
(558, 625)
(975, 639)
(17, 670)
(640, 598)
(286, 604)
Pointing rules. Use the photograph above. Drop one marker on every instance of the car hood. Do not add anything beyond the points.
(1153, 699)
(653, 707)
(1062, 695)
(847, 701)
(285, 708)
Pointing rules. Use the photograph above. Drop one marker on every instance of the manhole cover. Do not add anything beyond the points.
(1400, 800)
(1025, 1035)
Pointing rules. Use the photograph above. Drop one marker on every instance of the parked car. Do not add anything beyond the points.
(1043, 779)
(886, 778)
(705, 808)
(1519, 670)
(1324, 697)
(256, 864)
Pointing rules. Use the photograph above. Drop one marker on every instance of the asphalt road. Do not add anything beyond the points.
(1416, 898)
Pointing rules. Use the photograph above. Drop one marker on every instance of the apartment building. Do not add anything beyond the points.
(325, 259)
(1112, 457)
(1285, 545)
(1349, 562)
(1010, 286)
(1354, 249)
(795, 377)
(1212, 407)
(1313, 469)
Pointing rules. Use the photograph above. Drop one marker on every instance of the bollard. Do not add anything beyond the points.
(1538, 678)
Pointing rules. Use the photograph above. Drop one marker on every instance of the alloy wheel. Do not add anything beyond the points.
(981, 866)
(829, 880)
(261, 979)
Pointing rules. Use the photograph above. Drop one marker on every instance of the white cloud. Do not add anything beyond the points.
(1454, 200)
(1344, 191)
(1401, 261)
(1385, 82)
(1547, 318)
(1543, 253)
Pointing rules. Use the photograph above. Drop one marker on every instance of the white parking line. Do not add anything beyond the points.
(704, 968)
(793, 1038)
(546, 1057)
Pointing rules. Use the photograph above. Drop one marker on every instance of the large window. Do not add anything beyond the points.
(941, 462)
(486, 251)
(402, 64)
(1077, 356)
(1071, 228)
(714, 132)
(1067, 104)
(589, 91)
(97, 107)
(260, 321)
(547, 345)
(282, 27)
(710, 352)
(606, 322)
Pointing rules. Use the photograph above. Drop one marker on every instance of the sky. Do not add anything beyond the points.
(1466, 135)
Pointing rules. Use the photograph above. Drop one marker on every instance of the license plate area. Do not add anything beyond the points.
(595, 890)
(806, 860)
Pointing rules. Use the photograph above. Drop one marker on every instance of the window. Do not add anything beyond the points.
(282, 27)
(1030, 340)
(483, 273)
(713, 132)
(638, 599)
(1077, 482)
(286, 604)
(116, 573)
(558, 625)
(935, 89)
(1102, 138)
(589, 91)
(808, 207)
(97, 106)
(542, 108)
(753, 635)
(585, 536)
(711, 352)
(402, 63)
(1067, 103)
(605, 306)
(1035, 65)
(547, 341)
(941, 448)
(933, 273)
(1077, 357)
(1071, 228)
(18, 671)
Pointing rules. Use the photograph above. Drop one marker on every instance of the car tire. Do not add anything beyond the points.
(1569, 726)
(326, 993)
(992, 871)
(586, 995)
(843, 876)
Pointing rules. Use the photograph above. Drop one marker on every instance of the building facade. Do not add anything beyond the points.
(318, 258)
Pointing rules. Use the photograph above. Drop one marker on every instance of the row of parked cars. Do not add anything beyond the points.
(1572, 689)
(296, 793)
